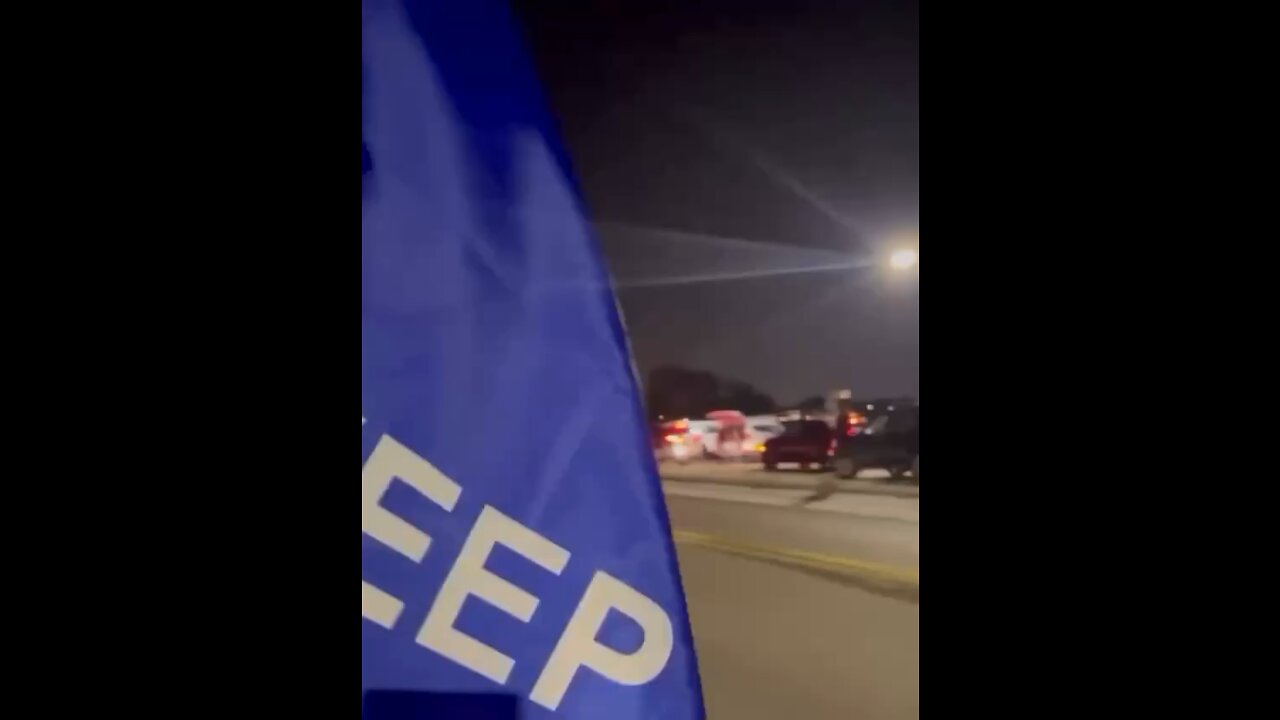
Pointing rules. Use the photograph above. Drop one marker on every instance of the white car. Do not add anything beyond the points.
(760, 430)
(755, 432)
(685, 440)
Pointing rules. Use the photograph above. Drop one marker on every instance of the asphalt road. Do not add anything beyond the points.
(781, 639)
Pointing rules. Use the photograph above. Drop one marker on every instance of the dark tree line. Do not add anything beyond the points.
(676, 392)
(815, 404)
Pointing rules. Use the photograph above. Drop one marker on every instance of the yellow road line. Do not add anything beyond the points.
(812, 560)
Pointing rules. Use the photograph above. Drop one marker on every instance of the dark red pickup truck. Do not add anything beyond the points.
(807, 442)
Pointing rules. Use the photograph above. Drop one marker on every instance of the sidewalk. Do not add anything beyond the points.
(754, 477)
(862, 505)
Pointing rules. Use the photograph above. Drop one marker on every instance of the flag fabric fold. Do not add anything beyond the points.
(514, 542)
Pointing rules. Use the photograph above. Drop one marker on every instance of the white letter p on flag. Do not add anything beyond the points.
(578, 646)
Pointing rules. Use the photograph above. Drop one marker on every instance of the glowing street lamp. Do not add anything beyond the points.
(904, 260)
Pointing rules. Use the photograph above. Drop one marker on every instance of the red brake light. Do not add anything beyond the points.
(856, 421)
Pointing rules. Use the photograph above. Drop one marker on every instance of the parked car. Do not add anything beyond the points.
(684, 440)
(890, 440)
(807, 442)
(726, 435)
(760, 430)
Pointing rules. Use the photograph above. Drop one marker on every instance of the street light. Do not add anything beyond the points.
(904, 259)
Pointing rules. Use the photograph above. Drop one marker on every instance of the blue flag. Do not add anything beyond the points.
(516, 557)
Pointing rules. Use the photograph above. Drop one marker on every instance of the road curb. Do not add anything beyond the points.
(875, 508)
(851, 567)
(902, 492)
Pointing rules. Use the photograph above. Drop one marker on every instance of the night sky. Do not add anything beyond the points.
(737, 138)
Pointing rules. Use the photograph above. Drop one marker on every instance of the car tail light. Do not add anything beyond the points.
(831, 451)
(856, 421)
